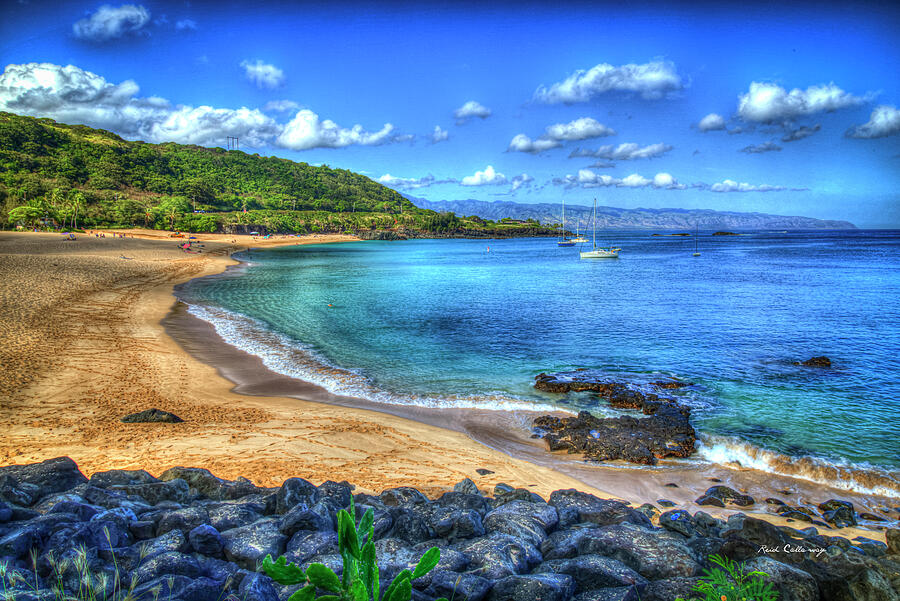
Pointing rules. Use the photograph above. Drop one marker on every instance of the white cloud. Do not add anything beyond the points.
(406, 183)
(206, 126)
(520, 181)
(469, 110)
(768, 102)
(769, 146)
(263, 74)
(651, 80)
(439, 135)
(712, 122)
(884, 121)
(522, 143)
(185, 24)
(628, 151)
(554, 135)
(589, 179)
(579, 129)
(306, 131)
(488, 177)
(110, 22)
(281, 106)
(73, 95)
(732, 186)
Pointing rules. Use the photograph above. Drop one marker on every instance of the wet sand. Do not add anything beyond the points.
(84, 344)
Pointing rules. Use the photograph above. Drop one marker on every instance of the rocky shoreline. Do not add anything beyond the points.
(196, 537)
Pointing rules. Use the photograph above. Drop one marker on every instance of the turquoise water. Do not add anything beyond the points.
(447, 322)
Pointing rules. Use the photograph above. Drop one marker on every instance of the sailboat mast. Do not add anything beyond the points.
(594, 221)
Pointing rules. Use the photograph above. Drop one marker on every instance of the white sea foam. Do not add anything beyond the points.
(286, 356)
(847, 476)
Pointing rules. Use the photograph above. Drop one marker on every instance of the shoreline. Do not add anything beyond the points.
(426, 469)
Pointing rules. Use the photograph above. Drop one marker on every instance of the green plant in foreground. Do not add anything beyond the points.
(360, 578)
(730, 583)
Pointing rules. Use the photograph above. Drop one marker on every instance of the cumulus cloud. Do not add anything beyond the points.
(411, 183)
(185, 24)
(712, 122)
(792, 135)
(651, 80)
(554, 135)
(110, 22)
(520, 181)
(732, 186)
(73, 95)
(307, 131)
(469, 110)
(488, 177)
(769, 146)
(768, 102)
(579, 129)
(589, 179)
(281, 106)
(439, 135)
(522, 143)
(884, 121)
(263, 74)
(623, 152)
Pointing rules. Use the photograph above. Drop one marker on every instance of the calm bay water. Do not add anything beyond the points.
(449, 322)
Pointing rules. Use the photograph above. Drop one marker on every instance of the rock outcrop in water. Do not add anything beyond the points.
(195, 537)
(821, 361)
(667, 431)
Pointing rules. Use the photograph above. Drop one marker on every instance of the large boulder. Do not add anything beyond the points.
(499, 555)
(121, 477)
(533, 587)
(225, 516)
(531, 521)
(170, 563)
(460, 587)
(249, 544)
(594, 571)
(294, 491)
(47, 477)
(202, 482)
(303, 546)
(791, 583)
(156, 492)
(182, 519)
(574, 507)
(654, 554)
(153, 415)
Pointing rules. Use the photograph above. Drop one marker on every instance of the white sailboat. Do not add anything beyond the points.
(579, 237)
(563, 241)
(696, 242)
(597, 252)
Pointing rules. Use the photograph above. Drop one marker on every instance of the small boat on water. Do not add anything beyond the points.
(579, 237)
(563, 241)
(596, 252)
(696, 242)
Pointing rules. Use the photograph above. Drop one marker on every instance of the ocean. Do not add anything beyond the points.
(469, 323)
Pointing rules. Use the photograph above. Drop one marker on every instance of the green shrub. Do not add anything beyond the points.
(729, 583)
(360, 578)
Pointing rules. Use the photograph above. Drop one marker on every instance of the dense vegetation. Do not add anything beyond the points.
(52, 174)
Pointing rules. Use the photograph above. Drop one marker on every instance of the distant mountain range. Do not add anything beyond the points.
(614, 218)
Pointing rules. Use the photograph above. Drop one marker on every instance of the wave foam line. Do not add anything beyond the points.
(845, 476)
(287, 357)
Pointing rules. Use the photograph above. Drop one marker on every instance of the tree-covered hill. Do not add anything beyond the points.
(74, 175)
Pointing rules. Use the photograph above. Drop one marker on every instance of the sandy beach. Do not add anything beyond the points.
(83, 346)
(84, 343)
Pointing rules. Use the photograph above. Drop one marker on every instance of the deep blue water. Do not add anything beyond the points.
(446, 321)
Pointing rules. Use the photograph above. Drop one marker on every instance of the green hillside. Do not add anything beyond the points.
(74, 175)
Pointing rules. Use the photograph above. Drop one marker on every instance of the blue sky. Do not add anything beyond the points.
(756, 107)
